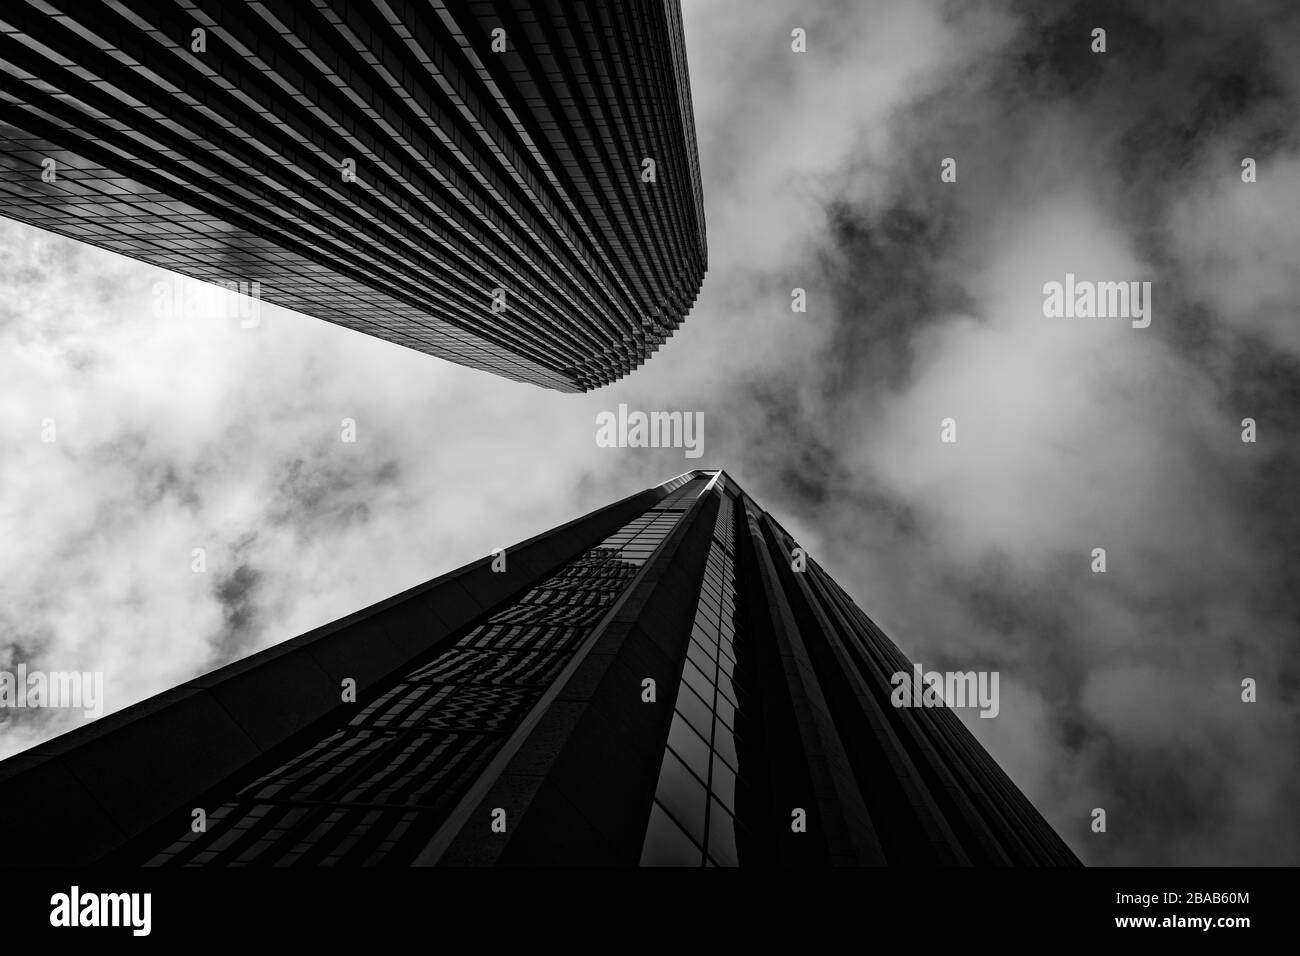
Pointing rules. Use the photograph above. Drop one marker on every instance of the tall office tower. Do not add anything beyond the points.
(654, 683)
(506, 184)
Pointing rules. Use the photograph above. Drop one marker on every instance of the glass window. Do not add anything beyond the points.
(709, 644)
(723, 783)
(682, 795)
(726, 665)
(690, 746)
(726, 710)
(699, 683)
(722, 836)
(695, 711)
(724, 742)
(724, 685)
(702, 659)
(726, 645)
(666, 844)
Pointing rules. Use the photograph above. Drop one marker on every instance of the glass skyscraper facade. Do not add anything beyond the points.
(662, 682)
(693, 818)
(508, 185)
(372, 790)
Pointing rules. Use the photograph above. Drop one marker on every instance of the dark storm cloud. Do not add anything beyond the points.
(27, 643)
(314, 499)
(327, 489)
(237, 593)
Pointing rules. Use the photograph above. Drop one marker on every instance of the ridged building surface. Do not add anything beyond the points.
(378, 163)
(651, 684)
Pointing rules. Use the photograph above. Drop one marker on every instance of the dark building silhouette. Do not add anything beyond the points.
(653, 683)
(468, 179)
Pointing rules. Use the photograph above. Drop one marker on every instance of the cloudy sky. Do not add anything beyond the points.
(822, 171)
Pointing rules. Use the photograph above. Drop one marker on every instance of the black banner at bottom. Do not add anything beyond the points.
(248, 906)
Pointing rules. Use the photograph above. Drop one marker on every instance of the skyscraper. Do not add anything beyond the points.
(665, 681)
(508, 185)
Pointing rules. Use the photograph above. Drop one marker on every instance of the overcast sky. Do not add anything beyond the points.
(821, 170)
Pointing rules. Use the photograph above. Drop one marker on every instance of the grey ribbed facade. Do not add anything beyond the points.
(497, 215)
(652, 684)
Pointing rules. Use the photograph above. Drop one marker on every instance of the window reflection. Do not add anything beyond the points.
(692, 822)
